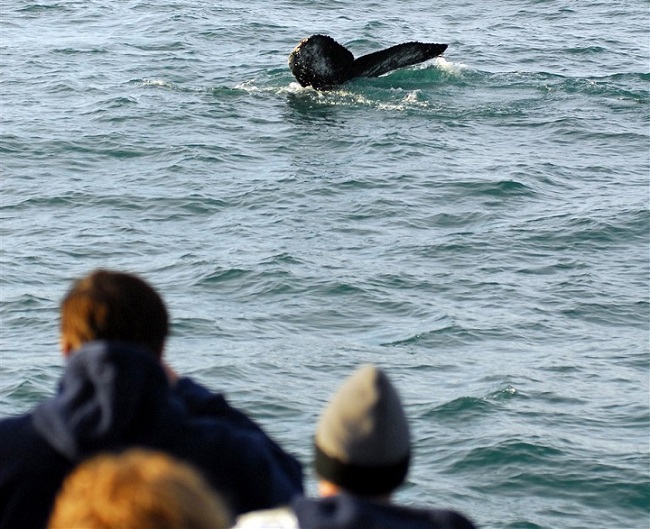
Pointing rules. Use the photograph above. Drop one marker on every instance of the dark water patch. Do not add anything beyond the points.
(635, 417)
(44, 8)
(281, 259)
(62, 88)
(638, 359)
(247, 285)
(90, 145)
(10, 144)
(172, 208)
(592, 486)
(610, 315)
(618, 228)
(504, 188)
(160, 47)
(507, 455)
(341, 289)
(78, 51)
(566, 369)
(25, 392)
(523, 525)
(188, 327)
(346, 185)
(267, 411)
(585, 50)
(117, 102)
(27, 388)
(232, 275)
(456, 221)
(461, 409)
(448, 335)
(27, 301)
(555, 399)
(403, 283)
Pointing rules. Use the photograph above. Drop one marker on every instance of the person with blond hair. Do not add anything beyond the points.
(116, 393)
(137, 489)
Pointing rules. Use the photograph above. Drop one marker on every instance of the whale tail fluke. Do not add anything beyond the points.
(399, 56)
(321, 62)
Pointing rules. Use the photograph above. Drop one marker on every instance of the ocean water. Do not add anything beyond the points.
(477, 225)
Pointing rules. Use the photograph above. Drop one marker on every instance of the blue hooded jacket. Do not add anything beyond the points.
(114, 396)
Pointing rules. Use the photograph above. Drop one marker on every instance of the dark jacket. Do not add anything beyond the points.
(348, 512)
(114, 396)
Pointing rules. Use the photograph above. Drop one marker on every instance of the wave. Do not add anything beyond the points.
(431, 87)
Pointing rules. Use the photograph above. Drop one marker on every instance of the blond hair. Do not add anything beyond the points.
(138, 489)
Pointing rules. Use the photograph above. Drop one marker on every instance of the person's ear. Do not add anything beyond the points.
(66, 347)
(327, 488)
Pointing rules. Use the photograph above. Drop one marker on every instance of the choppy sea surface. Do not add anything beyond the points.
(477, 225)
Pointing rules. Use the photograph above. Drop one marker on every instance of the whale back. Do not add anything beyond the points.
(321, 62)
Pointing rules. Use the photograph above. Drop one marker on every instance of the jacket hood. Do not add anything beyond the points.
(109, 390)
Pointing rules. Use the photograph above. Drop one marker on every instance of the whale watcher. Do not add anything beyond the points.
(117, 393)
(137, 489)
(362, 453)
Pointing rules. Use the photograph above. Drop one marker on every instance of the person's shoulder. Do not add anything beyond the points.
(14, 422)
(31, 472)
(201, 402)
(23, 447)
(16, 431)
(280, 518)
(345, 511)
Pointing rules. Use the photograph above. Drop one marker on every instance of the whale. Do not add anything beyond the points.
(322, 63)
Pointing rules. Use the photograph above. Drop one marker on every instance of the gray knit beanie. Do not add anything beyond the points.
(362, 440)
